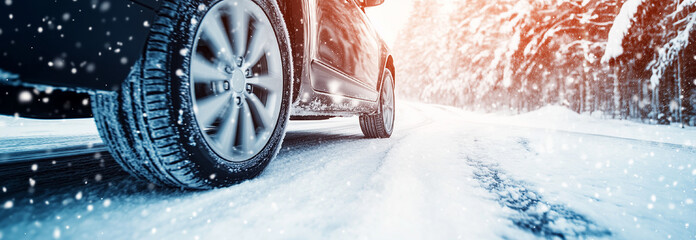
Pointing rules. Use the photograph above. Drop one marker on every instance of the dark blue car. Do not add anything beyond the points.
(197, 93)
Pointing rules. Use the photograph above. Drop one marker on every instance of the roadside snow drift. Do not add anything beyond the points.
(444, 174)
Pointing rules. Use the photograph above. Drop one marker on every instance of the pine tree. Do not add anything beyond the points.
(521, 55)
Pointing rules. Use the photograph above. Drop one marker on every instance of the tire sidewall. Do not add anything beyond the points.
(218, 170)
(388, 77)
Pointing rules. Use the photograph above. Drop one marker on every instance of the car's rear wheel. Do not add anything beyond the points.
(208, 104)
(381, 124)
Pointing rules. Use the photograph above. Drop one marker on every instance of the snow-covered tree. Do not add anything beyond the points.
(647, 39)
(420, 51)
(520, 55)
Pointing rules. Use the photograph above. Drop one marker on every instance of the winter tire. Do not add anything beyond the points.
(381, 124)
(208, 103)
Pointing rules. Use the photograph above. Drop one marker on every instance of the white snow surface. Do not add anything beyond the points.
(622, 24)
(445, 174)
(23, 134)
(558, 118)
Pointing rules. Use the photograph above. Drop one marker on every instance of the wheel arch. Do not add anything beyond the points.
(390, 65)
(296, 15)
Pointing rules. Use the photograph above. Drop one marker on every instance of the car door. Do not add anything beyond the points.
(348, 45)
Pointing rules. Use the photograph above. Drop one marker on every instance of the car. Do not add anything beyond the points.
(197, 94)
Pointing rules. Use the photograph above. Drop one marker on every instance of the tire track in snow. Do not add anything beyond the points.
(309, 144)
(534, 214)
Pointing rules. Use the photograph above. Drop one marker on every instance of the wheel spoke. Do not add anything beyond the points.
(205, 71)
(235, 37)
(240, 31)
(257, 46)
(265, 81)
(248, 134)
(387, 104)
(209, 108)
(228, 129)
(216, 34)
(259, 110)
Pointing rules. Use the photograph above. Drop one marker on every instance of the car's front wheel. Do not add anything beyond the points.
(208, 104)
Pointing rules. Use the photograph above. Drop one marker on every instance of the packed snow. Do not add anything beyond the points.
(557, 118)
(17, 127)
(445, 174)
(27, 135)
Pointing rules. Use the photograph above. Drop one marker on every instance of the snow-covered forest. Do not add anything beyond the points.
(624, 59)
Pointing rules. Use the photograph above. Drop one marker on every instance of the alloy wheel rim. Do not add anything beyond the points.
(388, 105)
(236, 79)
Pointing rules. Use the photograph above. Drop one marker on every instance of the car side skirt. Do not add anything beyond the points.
(311, 102)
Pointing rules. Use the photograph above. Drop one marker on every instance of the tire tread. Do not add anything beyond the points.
(139, 122)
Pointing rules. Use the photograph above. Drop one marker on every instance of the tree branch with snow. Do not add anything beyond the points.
(622, 25)
(669, 53)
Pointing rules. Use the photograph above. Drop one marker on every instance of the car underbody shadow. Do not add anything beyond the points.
(36, 187)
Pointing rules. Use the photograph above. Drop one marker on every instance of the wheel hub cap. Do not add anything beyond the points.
(238, 80)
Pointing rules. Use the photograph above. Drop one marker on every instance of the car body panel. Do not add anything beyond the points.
(81, 44)
(328, 79)
(347, 43)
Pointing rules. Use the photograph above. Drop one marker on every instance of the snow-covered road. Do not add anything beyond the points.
(444, 174)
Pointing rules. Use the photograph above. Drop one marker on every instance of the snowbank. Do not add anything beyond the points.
(25, 127)
(552, 113)
(23, 134)
(558, 118)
